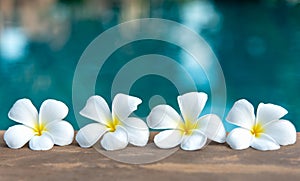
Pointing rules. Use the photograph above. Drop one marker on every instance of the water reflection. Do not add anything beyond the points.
(257, 44)
(12, 44)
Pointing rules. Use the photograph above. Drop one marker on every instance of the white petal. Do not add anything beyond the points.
(264, 143)
(163, 117)
(90, 134)
(115, 140)
(269, 112)
(43, 142)
(123, 105)
(282, 131)
(24, 112)
(191, 104)
(52, 110)
(96, 109)
(137, 130)
(193, 142)
(242, 114)
(239, 138)
(168, 139)
(17, 136)
(212, 127)
(62, 132)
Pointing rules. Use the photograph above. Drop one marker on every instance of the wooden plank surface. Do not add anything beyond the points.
(214, 162)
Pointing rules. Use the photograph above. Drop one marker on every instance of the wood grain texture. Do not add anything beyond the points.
(214, 162)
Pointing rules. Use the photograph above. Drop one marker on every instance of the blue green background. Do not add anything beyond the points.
(257, 44)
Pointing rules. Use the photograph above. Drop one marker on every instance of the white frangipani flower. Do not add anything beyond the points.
(265, 132)
(117, 129)
(190, 132)
(42, 130)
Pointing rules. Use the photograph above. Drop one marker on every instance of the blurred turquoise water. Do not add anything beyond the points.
(257, 44)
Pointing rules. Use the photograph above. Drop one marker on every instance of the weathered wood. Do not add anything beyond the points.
(214, 162)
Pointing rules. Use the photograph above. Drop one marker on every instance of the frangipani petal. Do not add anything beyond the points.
(43, 142)
(212, 126)
(24, 112)
(282, 131)
(96, 109)
(137, 130)
(115, 140)
(242, 114)
(17, 136)
(264, 143)
(239, 139)
(191, 104)
(52, 110)
(163, 117)
(194, 141)
(269, 112)
(90, 134)
(168, 139)
(62, 132)
(123, 105)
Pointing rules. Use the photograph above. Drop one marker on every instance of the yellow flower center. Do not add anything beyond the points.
(257, 129)
(187, 127)
(112, 124)
(39, 129)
